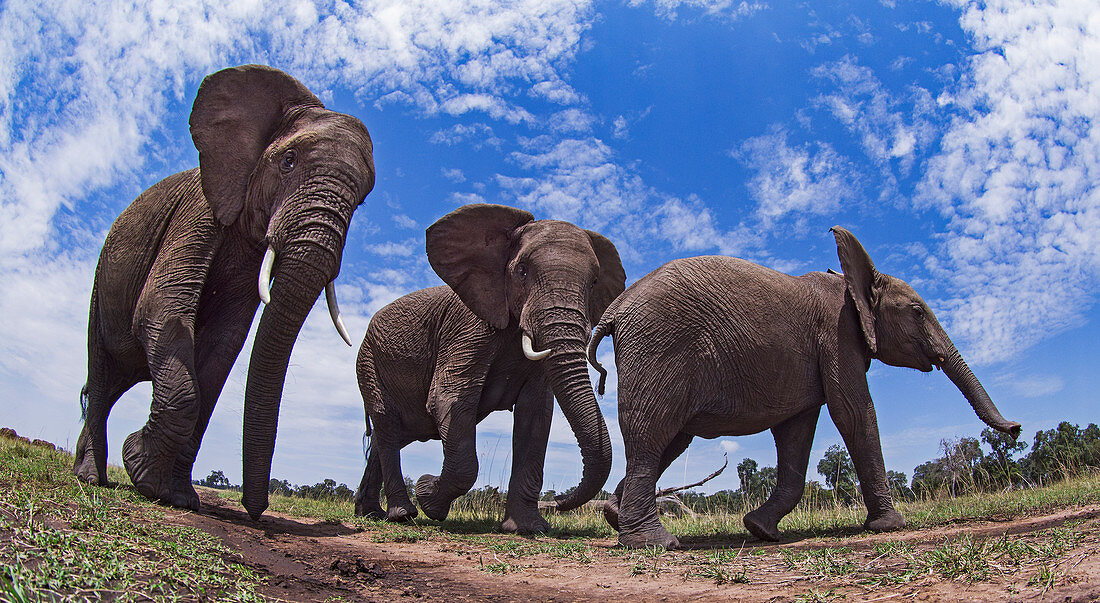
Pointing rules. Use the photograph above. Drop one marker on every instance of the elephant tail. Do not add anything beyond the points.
(606, 327)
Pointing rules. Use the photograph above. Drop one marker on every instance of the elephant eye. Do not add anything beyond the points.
(521, 270)
(918, 312)
(288, 161)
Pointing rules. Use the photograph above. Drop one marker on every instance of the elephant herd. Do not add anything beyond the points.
(706, 346)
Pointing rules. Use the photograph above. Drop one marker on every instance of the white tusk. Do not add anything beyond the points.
(265, 275)
(334, 312)
(529, 349)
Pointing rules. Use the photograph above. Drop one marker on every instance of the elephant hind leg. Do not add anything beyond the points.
(793, 440)
(367, 496)
(106, 384)
(672, 452)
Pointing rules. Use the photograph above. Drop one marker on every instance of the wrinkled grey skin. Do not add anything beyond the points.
(717, 346)
(176, 285)
(437, 361)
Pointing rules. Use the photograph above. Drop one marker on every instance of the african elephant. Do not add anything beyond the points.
(437, 361)
(176, 284)
(714, 346)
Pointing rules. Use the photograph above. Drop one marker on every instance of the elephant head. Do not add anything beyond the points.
(283, 172)
(552, 281)
(900, 329)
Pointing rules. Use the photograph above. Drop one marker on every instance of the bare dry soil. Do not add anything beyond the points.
(312, 560)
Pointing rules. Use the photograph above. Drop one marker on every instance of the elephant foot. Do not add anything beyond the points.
(525, 523)
(402, 513)
(761, 526)
(659, 537)
(611, 512)
(84, 465)
(151, 479)
(435, 505)
(885, 522)
(85, 470)
(183, 494)
(370, 510)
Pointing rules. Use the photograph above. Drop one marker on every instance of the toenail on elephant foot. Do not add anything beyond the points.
(369, 510)
(428, 496)
(87, 473)
(886, 522)
(643, 539)
(183, 495)
(762, 527)
(401, 513)
(525, 524)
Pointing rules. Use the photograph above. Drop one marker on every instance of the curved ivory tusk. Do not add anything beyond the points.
(265, 275)
(529, 349)
(334, 312)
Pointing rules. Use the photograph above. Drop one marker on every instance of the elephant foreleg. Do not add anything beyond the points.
(793, 440)
(225, 316)
(533, 413)
(149, 454)
(855, 418)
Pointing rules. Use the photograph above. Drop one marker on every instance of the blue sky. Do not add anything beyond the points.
(956, 139)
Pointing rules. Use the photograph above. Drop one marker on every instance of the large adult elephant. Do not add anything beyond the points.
(176, 285)
(714, 346)
(437, 361)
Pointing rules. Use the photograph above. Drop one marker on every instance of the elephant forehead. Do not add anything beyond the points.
(553, 236)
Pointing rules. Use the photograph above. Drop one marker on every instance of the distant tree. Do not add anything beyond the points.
(216, 479)
(1061, 452)
(839, 473)
(961, 458)
(929, 478)
(899, 486)
(746, 472)
(998, 469)
(281, 487)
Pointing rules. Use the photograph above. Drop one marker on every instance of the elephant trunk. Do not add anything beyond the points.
(567, 369)
(298, 283)
(963, 378)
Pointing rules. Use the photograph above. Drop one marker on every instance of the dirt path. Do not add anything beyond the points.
(308, 560)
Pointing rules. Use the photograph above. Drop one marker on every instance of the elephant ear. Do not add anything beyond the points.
(236, 114)
(611, 280)
(860, 276)
(469, 249)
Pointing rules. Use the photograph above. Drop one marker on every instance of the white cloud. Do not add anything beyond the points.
(887, 131)
(729, 446)
(581, 181)
(622, 130)
(732, 10)
(796, 181)
(1014, 176)
(453, 174)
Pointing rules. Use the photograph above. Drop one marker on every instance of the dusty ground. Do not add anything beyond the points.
(322, 561)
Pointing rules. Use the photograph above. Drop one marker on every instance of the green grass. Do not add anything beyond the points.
(61, 540)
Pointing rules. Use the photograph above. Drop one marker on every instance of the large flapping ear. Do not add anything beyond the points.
(236, 114)
(611, 280)
(860, 276)
(469, 249)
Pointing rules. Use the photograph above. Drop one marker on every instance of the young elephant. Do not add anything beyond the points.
(176, 285)
(716, 346)
(437, 361)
